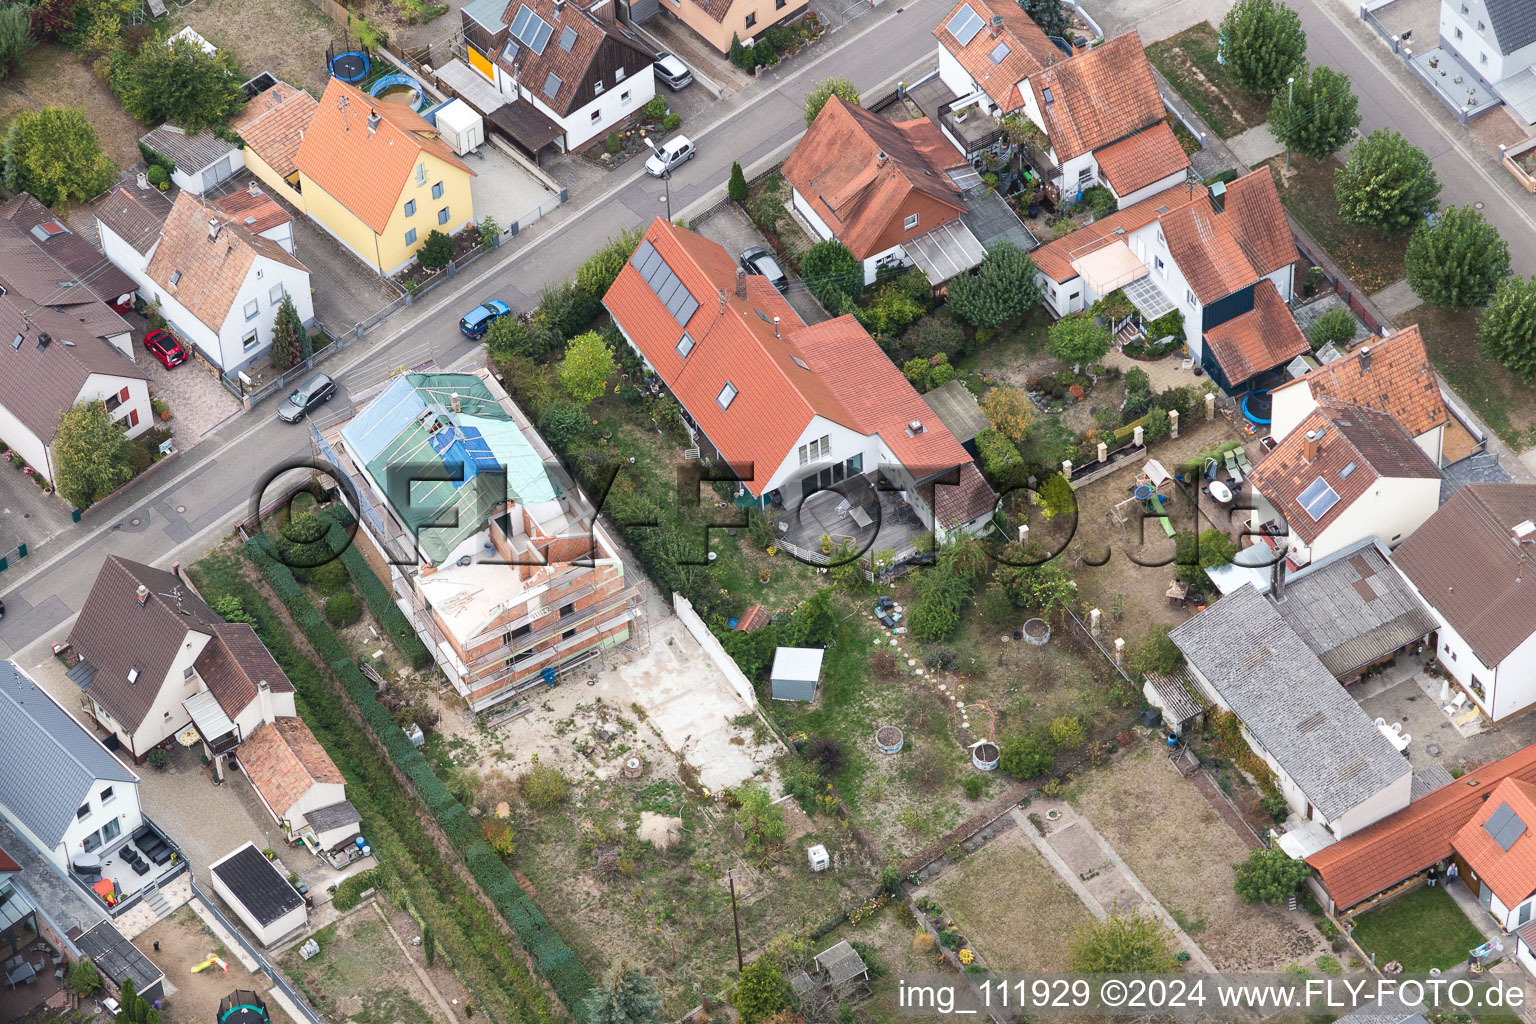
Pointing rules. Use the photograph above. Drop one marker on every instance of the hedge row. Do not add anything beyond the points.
(555, 959)
(376, 595)
(350, 892)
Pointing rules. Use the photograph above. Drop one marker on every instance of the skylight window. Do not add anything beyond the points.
(653, 268)
(531, 30)
(685, 345)
(727, 395)
(964, 25)
(1318, 498)
(175, 277)
(764, 317)
(1344, 473)
(800, 362)
(567, 39)
(1000, 53)
(552, 85)
(1048, 97)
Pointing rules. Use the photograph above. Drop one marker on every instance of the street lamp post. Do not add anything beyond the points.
(1290, 96)
(666, 177)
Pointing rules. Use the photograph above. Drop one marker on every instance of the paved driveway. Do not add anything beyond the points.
(27, 516)
(729, 226)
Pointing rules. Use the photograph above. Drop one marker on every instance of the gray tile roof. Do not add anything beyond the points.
(133, 214)
(1354, 607)
(1427, 780)
(1514, 23)
(50, 761)
(1289, 702)
(1180, 697)
(323, 819)
(191, 153)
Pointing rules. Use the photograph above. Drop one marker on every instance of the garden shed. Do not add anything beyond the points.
(841, 965)
(796, 671)
(259, 893)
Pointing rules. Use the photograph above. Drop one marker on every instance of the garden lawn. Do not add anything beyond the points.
(1370, 259)
(52, 74)
(1188, 61)
(1422, 930)
(1011, 346)
(1505, 402)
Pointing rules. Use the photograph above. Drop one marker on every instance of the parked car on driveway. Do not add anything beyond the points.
(673, 73)
(166, 347)
(315, 391)
(670, 155)
(477, 321)
(758, 260)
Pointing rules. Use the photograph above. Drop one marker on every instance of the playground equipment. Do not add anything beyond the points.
(213, 960)
(350, 67)
(242, 1006)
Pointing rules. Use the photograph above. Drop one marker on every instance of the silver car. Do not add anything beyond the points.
(313, 392)
(669, 156)
(674, 74)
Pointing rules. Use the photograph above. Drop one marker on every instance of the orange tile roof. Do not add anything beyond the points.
(1029, 51)
(1139, 160)
(1219, 253)
(1264, 337)
(1399, 381)
(273, 124)
(256, 211)
(1400, 845)
(1054, 258)
(206, 274)
(1098, 96)
(366, 170)
(1510, 873)
(283, 760)
(833, 369)
(864, 199)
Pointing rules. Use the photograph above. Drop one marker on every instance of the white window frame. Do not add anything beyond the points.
(727, 395)
(251, 340)
(277, 294)
(910, 222)
(252, 309)
(421, 174)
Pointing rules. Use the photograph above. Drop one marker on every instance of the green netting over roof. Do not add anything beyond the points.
(445, 483)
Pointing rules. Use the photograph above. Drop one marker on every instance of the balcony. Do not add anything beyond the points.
(117, 877)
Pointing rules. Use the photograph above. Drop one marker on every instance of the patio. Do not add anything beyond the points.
(146, 857)
(1454, 83)
(35, 982)
(872, 520)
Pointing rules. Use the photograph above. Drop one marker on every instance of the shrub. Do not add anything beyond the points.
(823, 91)
(656, 108)
(329, 578)
(890, 311)
(832, 273)
(827, 753)
(343, 609)
(84, 979)
(973, 787)
(1024, 757)
(16, 37)
(736, 188)
(1157, 653)
(1335, 327)
(1135, 943)
(565, 423)
(158, 177)
(1269, 876)
(567, 308)
(1068, 733)
(436, 252)
(1101, 200)
(930, 336)
(543, 787)
(672, 122)
(759, 818)
(613, 143)
(158, 758)
(761, 992)
(587, 368)
(350, 892)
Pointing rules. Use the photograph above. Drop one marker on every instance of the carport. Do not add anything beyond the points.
(947, 251)
(518, 120)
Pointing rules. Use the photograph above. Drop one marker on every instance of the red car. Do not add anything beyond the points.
(166, 347)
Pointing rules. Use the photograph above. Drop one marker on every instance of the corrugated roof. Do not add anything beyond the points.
(1181, 698)
(323, 819)
(1290, 703)
(191, 153)
(51, 760)
(958, 410)
(37, 387)
(1395, 378)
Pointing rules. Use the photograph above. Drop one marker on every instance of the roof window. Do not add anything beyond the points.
(727, 395)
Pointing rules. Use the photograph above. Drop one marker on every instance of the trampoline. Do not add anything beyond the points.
(351, 66)
(1257, 406)
(398, 89)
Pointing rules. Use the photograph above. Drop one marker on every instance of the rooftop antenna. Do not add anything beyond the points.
(341, 104)
(175, 595)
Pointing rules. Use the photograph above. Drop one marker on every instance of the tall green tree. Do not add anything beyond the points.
(624, 996)
(436, 251)
(1318, 115)
(1507, 330)
(1263, 44)
(1003, 288)
(1077, 339)
(1050, 15)
(1457, 262)
(825, 90)
(16, 39)
(1388, 184)
(761, 992)
(1268, 876)
(90, 454)
(178, 82)
(54, 154)
(833, 274)
(587, 368)
(288, 336)
(736, 188)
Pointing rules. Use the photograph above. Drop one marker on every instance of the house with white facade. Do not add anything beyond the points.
(53, 364)
(1471, 562)
(202, 160)
(792, 409)
(217, 280)
(298, 784)
(569, 69)
(1496, 851)
(1496, 41)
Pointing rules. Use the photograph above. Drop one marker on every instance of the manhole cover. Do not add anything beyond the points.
(1477, 205)
(1433, 750)
(180, 509)
(134, 522)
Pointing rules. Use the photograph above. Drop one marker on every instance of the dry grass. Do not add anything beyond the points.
(1501, 398)
(1183, 852)
(1370, 259)
(285, 37)
(986, 894)
(1188, 60)
(53, 75)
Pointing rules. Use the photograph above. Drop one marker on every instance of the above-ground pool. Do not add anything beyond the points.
(350, 67)
(1256, 406)
(398, 89)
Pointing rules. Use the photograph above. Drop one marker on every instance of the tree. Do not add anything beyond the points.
(833, 274)
(1157, 653)
(1123, 945)
(1457, 262)
(1195, 553)
(436, 251)
(543, 787)
(597, 274)
(762, 990)
(1035, 582)
(1003, 288)
(761, 820)
(1263, 44)
(1507, 329)
(1010, 411)
(736, 188)
(288, 336)
(84, 979)
(1334, 327)
(1269, 876)
(625, 996)
(1057, 497)
(1050, 15)
(1388, 184)
(90, 454)
(1318, 115)
(489, 231)
(1024, 757)
(178, 82)
(1000, 459)
(53, 153)
(737, 53)
(1077, 339)
(587, 367)
(16, 37)
(127, 998)
(823, 91)
(510, 336)
(1138, 393)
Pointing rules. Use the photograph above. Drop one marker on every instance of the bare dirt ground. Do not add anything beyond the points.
(183, 942)
(1183, 852)
(987, 893)
(285, 37)
(53, 75)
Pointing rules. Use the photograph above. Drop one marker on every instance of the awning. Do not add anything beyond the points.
(1109, 268)
(965, 178)
(471, 86)
(527, 125)
(211, 721)
(1306, 839)
(947, 251)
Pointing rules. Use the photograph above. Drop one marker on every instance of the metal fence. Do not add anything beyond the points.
(252, 396)
(266, 968)
(544, 209)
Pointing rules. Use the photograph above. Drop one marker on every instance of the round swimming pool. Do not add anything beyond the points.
(1256, 407)
(398, 89)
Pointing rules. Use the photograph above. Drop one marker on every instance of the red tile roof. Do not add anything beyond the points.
(273, 124)
(1139, 160)
(255, 211)
(1029, 51)
(833, 369)
(1510, 873)
(755, 617)
(864, 176)
(1264, 337)
(283, 760)
(1400, 845)
(233, 662)
(1054, 258)
(1219, 253)
(1098, 96)
(6, 864)
(1399, 381)
(363, 170)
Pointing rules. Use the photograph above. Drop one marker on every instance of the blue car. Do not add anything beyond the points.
(477, 321)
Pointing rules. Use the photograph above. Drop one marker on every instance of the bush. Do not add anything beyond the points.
(823, 91)
(656, 108)
(343, 609)
(567, 308)
(973, 787)
(565, 423)
(84, 979)
(1101, 200)
(929, 336)
(672, 122)
(544, 788)
(350, 892)
(158, 177)
(1335, 327)
(1024, 757)
(1068, 733)
(761, 992)
(436, 252)
(158, 758)
(833, 274)
(1003, 288)
(890, 311)
(1269, 876)
(736, 188)
(613, 143)
(330, 578)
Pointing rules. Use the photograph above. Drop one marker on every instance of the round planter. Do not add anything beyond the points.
(889, 739)
(1037, 632)
(985, 756)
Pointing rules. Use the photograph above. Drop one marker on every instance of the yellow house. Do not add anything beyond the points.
(377, 177)
(272, 125)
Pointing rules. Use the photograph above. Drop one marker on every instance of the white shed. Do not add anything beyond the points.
(257, 890)
(461, 127)
(796, 671)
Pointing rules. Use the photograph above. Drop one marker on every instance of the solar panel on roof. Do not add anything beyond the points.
(1318, 498)
(666, 284)
(1505, 826)
(964, 25)
(531, 30)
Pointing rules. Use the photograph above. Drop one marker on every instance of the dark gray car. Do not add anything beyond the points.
(315, 391)
(758, 260)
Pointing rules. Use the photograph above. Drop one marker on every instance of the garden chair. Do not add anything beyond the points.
(1242, 460)
(1233, 470)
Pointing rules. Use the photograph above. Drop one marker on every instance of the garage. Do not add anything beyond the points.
(258, 892)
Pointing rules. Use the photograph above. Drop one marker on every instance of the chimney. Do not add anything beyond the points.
(997, 25)
(1365, 359)
(559, 7)
(264, 694)
(1277, 578)
(880, 158)
(775, 327)
(741, 283)
(142, 594)
(1309, 451)
(1218, 194)
(722, 298)
(253, 188)
(213, 228)
(142, 180)
(373, 121)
